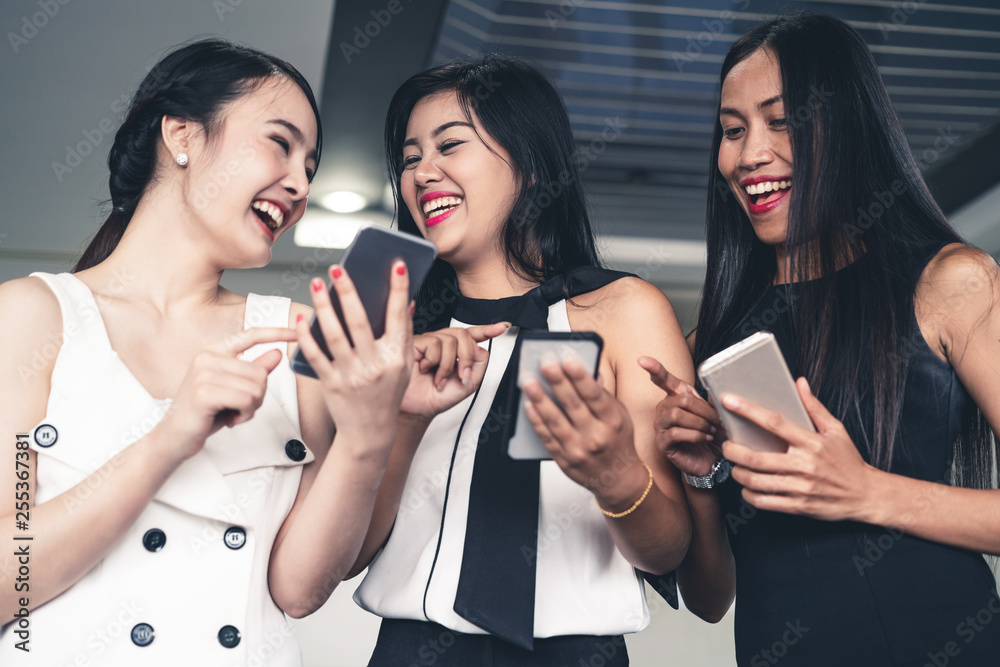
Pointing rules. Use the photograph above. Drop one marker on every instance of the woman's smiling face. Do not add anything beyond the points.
(458, 182)
(248, 184)
(755, 156)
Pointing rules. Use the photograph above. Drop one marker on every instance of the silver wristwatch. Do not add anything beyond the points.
(718, 475)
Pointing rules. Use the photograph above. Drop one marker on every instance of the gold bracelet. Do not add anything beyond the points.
(618, 515)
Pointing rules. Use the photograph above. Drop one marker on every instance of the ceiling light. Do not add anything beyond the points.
(322, 229)
(343, 201)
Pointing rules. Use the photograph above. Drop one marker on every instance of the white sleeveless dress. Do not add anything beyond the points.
(187, 582)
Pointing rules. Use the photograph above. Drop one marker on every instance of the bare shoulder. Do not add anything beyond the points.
(625, 305)
(635, 318)
(30, 304)
(958, 292)
(959, 277)
(31, 339)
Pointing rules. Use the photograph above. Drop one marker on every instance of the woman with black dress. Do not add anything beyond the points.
(863, 543)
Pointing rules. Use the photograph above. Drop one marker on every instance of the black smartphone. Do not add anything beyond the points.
(532, 349)
(368, 261)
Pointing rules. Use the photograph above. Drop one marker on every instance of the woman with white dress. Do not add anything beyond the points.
(178, 486)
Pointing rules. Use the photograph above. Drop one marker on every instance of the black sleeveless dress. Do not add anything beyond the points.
(817, 593)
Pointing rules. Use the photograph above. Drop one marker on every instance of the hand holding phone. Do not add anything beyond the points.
(755, 370)
(368, 260)
(533, 349)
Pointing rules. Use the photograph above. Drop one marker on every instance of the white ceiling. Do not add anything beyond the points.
(65, 80)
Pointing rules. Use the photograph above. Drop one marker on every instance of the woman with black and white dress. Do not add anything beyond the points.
(472, 553)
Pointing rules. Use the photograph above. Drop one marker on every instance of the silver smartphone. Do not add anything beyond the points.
(368, 261)
(755, 370)
(533, 348)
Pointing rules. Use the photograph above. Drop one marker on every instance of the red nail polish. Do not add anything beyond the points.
(401, 269)
(316, 284)
(336, 272)
(298, 318)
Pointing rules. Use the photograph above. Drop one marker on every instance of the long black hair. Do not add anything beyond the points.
(193, 82)
(849, 156)
(547, 231)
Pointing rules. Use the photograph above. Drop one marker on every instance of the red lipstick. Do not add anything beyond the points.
(441, 217)
(770, 205)
(439, 193)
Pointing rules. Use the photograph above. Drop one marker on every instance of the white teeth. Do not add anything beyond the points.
(767, 186)
(272, 211)
(434, 204)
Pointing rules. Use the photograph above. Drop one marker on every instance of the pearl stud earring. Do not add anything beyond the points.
(182, 159)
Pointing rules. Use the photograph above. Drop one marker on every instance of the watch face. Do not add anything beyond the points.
(46, 435)
(722, 474)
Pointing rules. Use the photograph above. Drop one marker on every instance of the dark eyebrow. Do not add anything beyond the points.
(768, 102)
(296, 133)
(455, 123)
(727, 111)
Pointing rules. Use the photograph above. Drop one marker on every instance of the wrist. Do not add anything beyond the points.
(876, 495)
(717, 474)
(162, 451)
(627, 492)
(410, 420)
(365, 443)
(170, 447)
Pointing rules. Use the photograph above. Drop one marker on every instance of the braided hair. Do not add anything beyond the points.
(193, 83)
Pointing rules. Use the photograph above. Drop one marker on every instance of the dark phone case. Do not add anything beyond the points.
(514, 407)
(368, 261)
